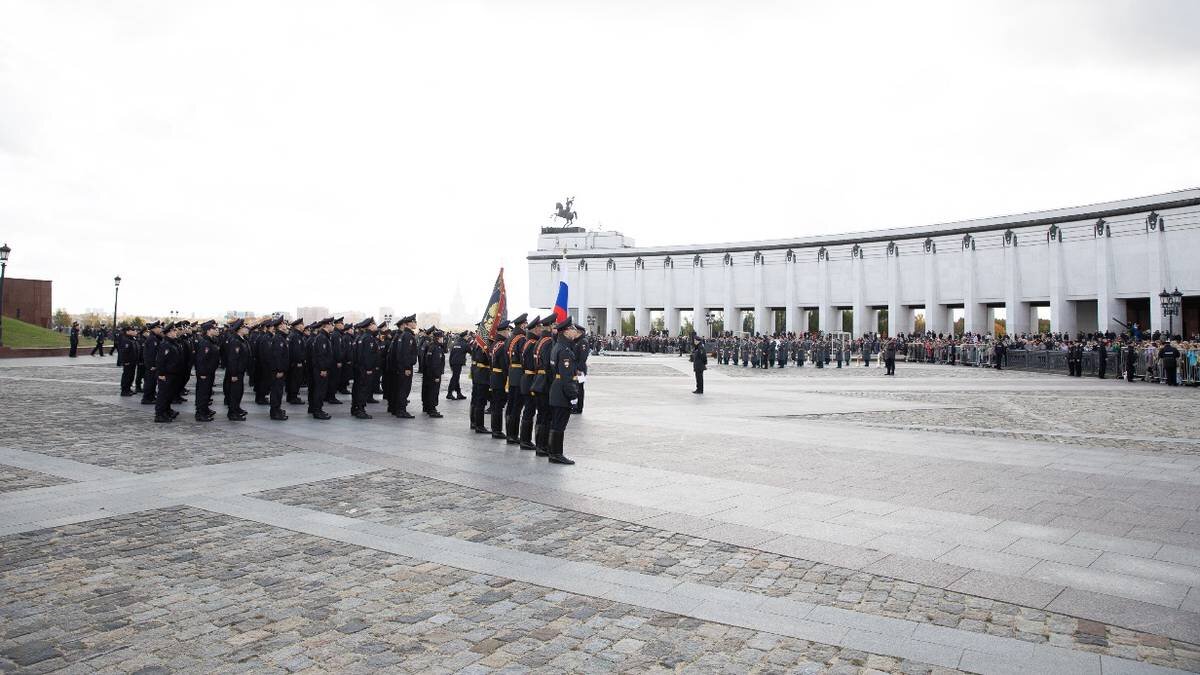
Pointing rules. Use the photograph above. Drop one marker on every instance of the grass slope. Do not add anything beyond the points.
(21, 335)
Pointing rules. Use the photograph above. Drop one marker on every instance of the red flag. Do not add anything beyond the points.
(497, 311)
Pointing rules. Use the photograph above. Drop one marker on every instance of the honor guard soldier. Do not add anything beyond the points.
(528, 361)
(403, 357)
(154, 335)
(129, 358)
(499, 378)
(168, 369)
(516, 373)
(581, 357)
(564, 387)
(433, 367)
(236, 354)
(481, 373)
(539, 389)
(457, 359)
(207, 358)
(366, 363)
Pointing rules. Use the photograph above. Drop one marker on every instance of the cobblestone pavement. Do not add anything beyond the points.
(182, 589)
(1074, 418)
(57, 418)
(14, 478)
(396, 498)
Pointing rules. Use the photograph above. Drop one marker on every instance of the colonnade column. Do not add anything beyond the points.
(934, 312)
(789, 293)
(895, 323)
(1107, 306)
(761, 323)
(858, 325)
(1155, 269)
(1062, 312)
(730, 317)
(671, 320)
(825, 318)
(697, 300)
(581, 292)
(1016, 313)
(973, 313)
(612, 320)
(641, 315)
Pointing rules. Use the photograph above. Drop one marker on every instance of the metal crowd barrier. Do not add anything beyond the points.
(1146, 366)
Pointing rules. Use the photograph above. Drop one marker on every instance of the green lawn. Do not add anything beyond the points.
(18, 335)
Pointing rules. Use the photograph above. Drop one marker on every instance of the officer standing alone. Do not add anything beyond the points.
(699, 362)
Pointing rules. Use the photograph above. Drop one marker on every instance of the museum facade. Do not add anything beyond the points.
(1082, 268)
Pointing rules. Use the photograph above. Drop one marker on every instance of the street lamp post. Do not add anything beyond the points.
(116, 290)
(1171, 303)
(4, 251)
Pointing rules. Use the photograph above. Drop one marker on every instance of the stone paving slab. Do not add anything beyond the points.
(14, 479)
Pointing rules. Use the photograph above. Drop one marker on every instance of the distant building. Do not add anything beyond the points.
(28, 300)
(313, 313)
(239, 314)
(386, 314)
(427, 319)
(352, 316)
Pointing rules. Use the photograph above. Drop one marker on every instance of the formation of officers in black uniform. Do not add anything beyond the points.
(530, 378)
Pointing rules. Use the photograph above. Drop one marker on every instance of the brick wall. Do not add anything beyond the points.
(28, 300)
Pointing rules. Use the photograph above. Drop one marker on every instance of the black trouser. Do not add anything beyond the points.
(361, 390)
(579, 402)
(318, 385)
(127, 373)
(700, 381)
(454, 387)
(479, 398)
(403, 389)
(499, 398)
(332, 382)
(151, 385)
(100, 346)
(204, 388)
(347, 370)
(891, 366)
(167, 389)
(233, 392)
(431, 386)
(139, 377)
(277, 385)
(294, 377)
(74, 350)
(560, 415)
(262, 384)
(1172, 375)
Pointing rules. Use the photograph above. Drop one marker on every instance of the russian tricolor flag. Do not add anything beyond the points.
(560, 303)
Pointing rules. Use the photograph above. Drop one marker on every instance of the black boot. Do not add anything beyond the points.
(542, 440)
(321, 415)
(498, 424)
(477, 419)
(527, 435)
(511, 425)
(556, 449)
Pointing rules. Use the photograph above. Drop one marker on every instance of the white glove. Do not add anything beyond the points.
(581, 378)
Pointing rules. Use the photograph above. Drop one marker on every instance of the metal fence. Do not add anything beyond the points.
(1146, 365)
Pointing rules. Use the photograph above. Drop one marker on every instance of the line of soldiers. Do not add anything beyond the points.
(277, 358)
(532, 374)
(767, 352)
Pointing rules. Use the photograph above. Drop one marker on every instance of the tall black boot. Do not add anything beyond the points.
(478, 417)
(527, 434)
(512, 421)
(556, 449)
(498, 422)
(542, 440)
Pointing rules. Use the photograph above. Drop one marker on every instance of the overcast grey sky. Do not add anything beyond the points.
(259, 155)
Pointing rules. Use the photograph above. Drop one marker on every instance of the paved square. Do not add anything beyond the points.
(787, 521)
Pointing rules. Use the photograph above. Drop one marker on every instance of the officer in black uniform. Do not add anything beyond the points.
(168, 367)
(516, 373)
(528, 360)
(235, 353)
(207, 358)
(275, 353)
(403, 355)
(1101, 358)
(1074, 361)
(564, 386)
(481, 372)
(366, 364)
(499, 378)
(432, 369)
(154, 335)
(129, 359)
(457, 359)
(296, 352)
(699, 362)
(1169, 357)
(581, 363)
(889, 357)
(321, 368)
(539, 389)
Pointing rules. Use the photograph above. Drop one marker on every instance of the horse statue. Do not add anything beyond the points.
(565, 212)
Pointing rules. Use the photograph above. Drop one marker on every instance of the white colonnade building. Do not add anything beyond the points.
(1084, 268)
